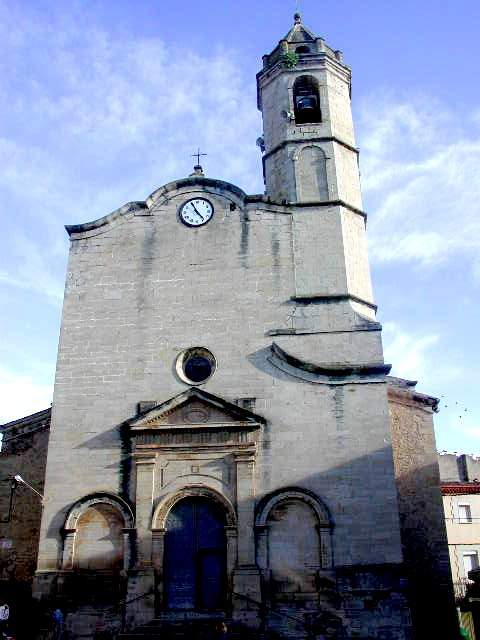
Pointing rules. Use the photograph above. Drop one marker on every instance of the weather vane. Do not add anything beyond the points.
(198, 155)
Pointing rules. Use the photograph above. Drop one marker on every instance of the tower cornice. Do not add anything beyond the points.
(308, 64)
(302, 141)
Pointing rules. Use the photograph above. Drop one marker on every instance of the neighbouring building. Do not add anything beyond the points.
(460, 477)
(225, 442)
(23, 453)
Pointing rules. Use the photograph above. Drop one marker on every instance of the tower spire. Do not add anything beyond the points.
(297, 16)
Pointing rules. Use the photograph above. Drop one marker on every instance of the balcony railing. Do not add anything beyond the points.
(461, 588)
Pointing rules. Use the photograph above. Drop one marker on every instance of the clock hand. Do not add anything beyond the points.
(198, 214)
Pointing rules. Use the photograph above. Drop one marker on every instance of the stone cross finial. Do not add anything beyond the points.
(198, 155)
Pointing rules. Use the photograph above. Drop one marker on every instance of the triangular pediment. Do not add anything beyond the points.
(196, 408)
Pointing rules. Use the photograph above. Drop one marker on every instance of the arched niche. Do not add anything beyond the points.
(99, 539)
(294, 544)
(311, 174)
(97, 534)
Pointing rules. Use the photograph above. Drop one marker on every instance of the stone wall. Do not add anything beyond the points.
(141, 288)
(24, 452)
(459, 467)
(423, 532)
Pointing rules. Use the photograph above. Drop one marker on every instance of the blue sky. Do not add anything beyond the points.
(103, 102)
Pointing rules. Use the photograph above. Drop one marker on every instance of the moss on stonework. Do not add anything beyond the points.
(290, 59)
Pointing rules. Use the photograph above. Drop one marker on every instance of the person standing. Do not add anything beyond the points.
(4, 617)
(58, 621)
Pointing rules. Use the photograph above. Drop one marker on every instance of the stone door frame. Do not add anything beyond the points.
(159, 531)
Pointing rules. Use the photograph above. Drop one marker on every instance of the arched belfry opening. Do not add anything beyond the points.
(195, 556)
(306, 98)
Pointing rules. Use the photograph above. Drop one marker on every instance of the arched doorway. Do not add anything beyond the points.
(195, 555)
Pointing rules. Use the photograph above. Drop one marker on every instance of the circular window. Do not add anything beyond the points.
(195, 365)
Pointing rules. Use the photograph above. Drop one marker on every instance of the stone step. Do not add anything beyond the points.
(192, 629)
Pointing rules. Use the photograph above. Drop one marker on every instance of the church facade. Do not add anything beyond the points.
(221, 434)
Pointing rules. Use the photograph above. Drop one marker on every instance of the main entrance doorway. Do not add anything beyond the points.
(195, 555)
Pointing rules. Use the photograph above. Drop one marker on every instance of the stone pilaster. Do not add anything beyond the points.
(141, 580)
(68, 543)
(158, 547)
(246, 507)
(326, 553)
(128, 541)
(144, 500)
(246, 579)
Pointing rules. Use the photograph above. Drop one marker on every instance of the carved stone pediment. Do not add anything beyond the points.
(195, 409)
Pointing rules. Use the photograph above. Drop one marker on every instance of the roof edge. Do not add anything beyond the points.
(402, 389)
(38, 416)
(195, 181)
(459, 488)
(130, 207)
(136, 207)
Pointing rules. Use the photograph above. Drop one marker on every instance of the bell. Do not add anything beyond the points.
(307, 103)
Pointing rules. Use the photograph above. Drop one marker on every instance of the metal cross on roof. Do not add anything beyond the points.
(197, 155)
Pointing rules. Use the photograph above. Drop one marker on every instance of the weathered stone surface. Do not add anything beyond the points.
(290, 438)
(24, 453)
(423, 533)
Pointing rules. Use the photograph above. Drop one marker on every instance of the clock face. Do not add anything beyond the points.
(196, 212)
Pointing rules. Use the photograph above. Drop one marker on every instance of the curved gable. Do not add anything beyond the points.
(158, 197)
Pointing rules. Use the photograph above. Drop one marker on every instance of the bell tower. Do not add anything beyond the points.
(310, 165)
(309, 143)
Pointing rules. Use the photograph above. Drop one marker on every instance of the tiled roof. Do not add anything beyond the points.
(459, 488)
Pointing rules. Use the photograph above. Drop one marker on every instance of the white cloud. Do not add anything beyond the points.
(105, 96)
(90, 120)
(421, 179)
(33, 272)
(21, 395)
(409, 353)
(472, 431)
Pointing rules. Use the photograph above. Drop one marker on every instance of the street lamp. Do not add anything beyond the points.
(18, 478)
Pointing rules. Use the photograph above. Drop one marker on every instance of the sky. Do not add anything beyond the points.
(103, 102)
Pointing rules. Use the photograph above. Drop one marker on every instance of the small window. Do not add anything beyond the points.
(195, 365)
(464, 514)
(1, 442)
(470, 561)
(302, 49)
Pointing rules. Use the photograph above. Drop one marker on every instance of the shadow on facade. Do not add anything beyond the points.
(309, 563)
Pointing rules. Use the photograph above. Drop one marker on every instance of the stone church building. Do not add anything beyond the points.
(225, 441)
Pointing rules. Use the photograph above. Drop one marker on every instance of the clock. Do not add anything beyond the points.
(196, 212)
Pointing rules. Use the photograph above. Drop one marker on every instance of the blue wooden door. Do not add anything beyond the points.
(195, 556)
